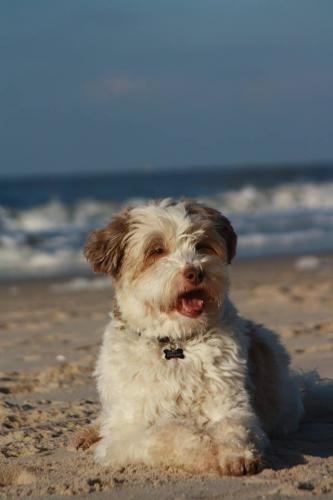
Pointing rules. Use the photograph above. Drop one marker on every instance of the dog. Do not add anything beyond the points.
(183, 379)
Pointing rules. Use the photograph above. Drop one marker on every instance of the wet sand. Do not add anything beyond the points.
(50, 332)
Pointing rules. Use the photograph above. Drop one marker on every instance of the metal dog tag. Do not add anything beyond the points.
(174, 353)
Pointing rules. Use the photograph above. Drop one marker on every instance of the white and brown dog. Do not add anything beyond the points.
(183, 379)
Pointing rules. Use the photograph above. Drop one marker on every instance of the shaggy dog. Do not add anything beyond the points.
(183, 379)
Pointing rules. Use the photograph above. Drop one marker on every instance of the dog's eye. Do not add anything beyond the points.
(153, 254)
(204, 248)
(157, 251)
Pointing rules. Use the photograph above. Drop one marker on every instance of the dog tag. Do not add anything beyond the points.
(174, 353)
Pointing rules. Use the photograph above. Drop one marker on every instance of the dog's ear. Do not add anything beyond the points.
(221, 224)
(105, 247)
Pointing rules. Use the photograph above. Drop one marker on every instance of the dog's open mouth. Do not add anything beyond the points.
(191, 303)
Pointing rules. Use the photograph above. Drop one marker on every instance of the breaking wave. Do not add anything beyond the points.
(290, 218)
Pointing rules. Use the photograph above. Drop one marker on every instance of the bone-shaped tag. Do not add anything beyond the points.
(174, 353)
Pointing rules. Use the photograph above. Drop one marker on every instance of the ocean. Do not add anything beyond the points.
(44, 220)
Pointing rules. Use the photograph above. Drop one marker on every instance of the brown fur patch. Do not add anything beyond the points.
(220, 223)
(210, 245)
(237, 463)
(264, 373)
(155, 248)
(105, 247)
(85, 438)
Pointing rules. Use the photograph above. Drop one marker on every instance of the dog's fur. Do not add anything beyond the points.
(214, 409)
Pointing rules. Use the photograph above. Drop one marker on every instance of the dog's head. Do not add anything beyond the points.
(169, 263)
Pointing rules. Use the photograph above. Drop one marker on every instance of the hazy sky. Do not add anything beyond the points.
(103, 85)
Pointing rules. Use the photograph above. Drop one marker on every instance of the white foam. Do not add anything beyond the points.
(307, 263)
(284, 243)
(56, 215)
(284, 197)
(46, 217)
(22, 260)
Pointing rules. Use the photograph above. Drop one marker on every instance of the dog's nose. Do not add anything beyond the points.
(193, 275)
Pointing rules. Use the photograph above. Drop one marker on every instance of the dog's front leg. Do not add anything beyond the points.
(162, 444)
(240, 442)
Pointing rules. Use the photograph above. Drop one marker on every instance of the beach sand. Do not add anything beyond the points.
(50, 336)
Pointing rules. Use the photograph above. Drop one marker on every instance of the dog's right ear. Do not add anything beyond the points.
(105, 247)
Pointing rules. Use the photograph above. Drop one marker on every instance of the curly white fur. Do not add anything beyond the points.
(213, 409)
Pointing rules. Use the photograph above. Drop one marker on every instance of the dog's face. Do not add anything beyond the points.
(168, 261)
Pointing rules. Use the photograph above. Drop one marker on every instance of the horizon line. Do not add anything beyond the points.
(175, 169)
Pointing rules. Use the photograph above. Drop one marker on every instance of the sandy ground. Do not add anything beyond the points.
(49, 337)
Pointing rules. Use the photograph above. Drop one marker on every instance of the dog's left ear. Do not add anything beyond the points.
(221, 224)
(105, 247)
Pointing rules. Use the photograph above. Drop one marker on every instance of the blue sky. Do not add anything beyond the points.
(108, 85)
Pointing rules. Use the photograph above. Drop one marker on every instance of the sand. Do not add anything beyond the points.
(50, 333)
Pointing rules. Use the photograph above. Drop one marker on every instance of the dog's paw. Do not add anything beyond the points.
(84, 438)
(235, 462)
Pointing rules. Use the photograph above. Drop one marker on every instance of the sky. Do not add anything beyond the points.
(108, 85)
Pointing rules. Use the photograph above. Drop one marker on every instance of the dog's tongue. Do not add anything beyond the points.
(191, 306)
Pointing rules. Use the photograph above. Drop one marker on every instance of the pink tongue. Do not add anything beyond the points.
(193, 305)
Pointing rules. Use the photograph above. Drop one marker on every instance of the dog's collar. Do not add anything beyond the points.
(172, 348)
